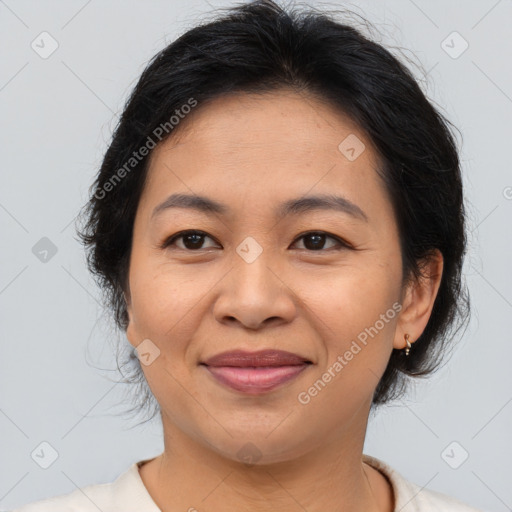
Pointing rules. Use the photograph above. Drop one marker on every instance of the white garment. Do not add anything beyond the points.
(128, 494)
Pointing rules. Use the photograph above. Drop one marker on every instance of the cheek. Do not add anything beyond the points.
(354, 297)
(167, 308)
(164, 305)
(358, 309)
(357, 322)
(161, 295)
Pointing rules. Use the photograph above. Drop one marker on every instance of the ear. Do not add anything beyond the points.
(420, 295)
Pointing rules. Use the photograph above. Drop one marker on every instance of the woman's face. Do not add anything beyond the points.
(255, 280)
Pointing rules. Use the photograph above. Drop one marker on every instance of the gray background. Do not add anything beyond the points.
(57, 372)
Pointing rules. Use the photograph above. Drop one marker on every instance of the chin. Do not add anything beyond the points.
(259, 448)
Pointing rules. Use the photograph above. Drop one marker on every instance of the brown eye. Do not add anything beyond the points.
(192, 240)
(315, 241)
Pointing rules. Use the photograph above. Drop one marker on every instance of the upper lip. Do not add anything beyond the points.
(243, 358)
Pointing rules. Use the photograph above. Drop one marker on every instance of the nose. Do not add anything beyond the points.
(255, 295)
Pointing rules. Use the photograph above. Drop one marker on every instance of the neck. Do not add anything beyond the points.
(329, 476)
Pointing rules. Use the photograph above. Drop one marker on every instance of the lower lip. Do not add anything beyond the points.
(253, 380)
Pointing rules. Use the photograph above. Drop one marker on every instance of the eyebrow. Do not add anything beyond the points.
(291, 207)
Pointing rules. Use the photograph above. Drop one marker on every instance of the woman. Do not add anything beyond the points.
(279, 226)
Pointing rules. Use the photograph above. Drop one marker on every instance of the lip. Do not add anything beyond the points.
(255, 381)
(243, 359)
(255, 372)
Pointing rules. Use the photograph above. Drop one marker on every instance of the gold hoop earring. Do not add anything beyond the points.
(408, 348)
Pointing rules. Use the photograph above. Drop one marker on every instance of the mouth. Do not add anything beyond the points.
(255, 372)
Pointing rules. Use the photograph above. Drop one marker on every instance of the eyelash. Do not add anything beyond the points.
(341, 243)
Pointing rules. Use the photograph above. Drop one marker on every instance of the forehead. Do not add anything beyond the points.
(279, 122)
(262, 147)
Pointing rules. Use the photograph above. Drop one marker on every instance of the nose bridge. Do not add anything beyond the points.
(252, 276)
(253, 292)
(252, 272)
